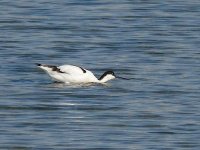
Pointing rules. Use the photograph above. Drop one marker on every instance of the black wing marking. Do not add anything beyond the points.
(55, 68)
(84, 71)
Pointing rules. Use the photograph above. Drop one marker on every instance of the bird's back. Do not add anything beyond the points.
(72, 70)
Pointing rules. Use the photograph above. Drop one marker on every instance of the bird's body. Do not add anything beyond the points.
(74, 74)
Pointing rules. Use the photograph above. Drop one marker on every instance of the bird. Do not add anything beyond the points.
(76, 74)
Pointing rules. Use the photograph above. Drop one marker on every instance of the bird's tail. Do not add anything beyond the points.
(49, 68)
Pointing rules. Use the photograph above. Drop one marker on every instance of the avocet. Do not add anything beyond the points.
(75, 74)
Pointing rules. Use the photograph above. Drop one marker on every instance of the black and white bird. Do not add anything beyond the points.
(75, 74)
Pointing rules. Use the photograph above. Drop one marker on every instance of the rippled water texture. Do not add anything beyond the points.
(156, 43)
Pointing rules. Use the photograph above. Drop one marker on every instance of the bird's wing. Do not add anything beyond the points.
(72, 70)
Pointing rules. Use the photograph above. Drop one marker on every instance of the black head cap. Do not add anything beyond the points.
(106, 73)
(110, 72)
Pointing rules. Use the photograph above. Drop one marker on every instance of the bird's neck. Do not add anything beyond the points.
(104, 79)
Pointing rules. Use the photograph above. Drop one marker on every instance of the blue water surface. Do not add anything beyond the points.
(155, 43)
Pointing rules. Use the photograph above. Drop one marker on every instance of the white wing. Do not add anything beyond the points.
(72, 70)
(76, 74)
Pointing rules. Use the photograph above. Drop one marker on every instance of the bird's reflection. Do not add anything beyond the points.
(74, 85)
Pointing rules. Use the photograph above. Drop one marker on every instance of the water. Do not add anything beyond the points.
(156, 43)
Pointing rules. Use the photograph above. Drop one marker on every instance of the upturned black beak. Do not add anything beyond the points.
(122, 78)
